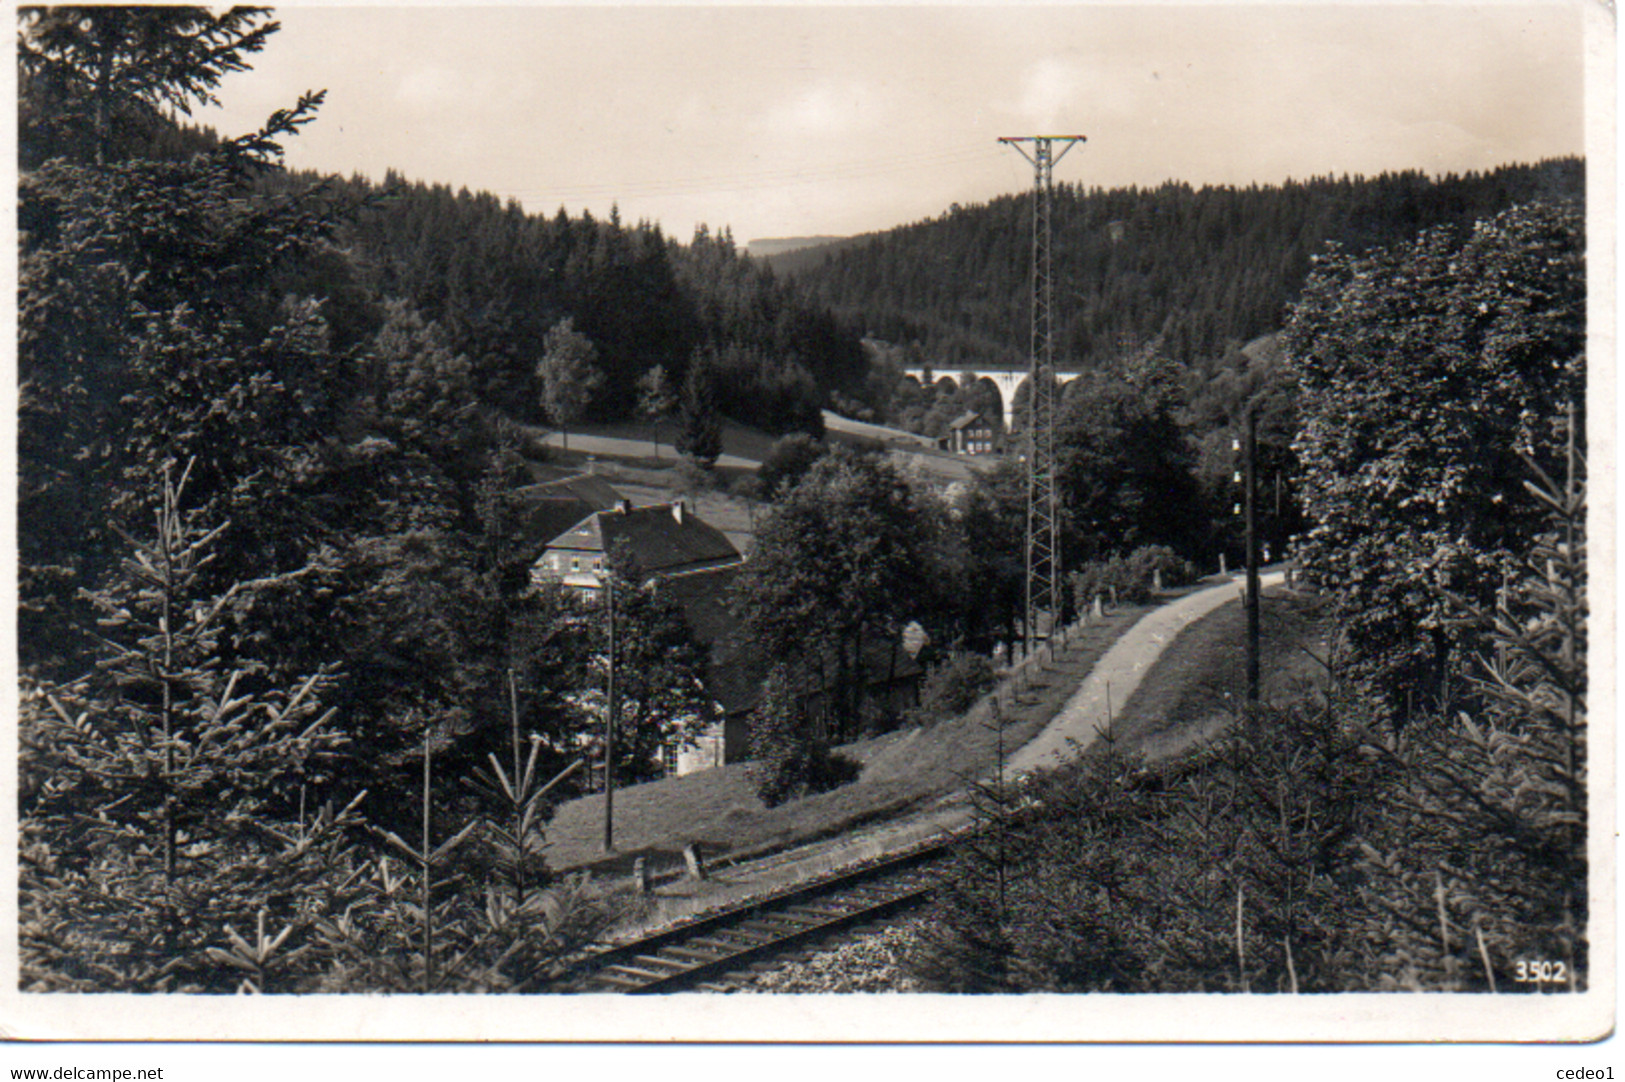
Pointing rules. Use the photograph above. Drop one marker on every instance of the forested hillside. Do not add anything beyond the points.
(496, 279)
(1193, 270)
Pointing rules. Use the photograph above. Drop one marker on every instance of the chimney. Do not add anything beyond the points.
(678, 510)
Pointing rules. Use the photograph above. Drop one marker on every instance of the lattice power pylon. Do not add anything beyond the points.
(1043, 505)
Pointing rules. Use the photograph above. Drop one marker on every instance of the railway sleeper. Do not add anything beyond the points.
(616, 982)
(638, 972)
(819, 912)
(698, 954)
(726, 946)
(776, 929)
(751, 936)
(803, 916)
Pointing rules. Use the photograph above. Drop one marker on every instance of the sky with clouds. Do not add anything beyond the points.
(791, 120)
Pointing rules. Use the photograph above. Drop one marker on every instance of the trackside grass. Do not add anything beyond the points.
(1198, 684)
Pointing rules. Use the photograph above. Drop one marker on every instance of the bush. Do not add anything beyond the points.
(809, 768)
(790, 761)
(1130, 579)
(952, 686)
(693, 478)
(787, 462)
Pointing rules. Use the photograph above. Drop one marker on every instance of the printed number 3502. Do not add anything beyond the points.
(1541, 972)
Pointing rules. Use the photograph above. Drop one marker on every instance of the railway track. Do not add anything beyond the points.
(703, 954)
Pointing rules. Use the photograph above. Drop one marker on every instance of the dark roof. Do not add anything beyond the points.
(553, 507)
(703, 596)
(659, 537)
(965, 420)
(734, 672)
(736, 667)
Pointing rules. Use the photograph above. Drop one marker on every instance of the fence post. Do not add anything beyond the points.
(695, 860)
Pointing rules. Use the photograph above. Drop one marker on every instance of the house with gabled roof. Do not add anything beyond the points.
(970, 434)
(693, 565)
(660, 539)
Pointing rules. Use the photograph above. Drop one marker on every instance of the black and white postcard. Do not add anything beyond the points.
(772, 523)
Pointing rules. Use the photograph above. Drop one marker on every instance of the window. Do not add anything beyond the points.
(575, 563)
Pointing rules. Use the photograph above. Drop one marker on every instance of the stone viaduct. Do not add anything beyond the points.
(1005, 380)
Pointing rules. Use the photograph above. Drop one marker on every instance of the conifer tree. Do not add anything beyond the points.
(148, 332)
(174, 797)
(699, 433)
(96, 79)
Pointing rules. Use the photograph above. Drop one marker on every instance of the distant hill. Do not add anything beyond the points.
(790, 263)
(772, 246)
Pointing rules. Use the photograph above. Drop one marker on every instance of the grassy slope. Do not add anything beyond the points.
(1193, 689)
(902, 770)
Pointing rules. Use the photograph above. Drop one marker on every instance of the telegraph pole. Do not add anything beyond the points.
(609, 720)
(1252, 552)
(1043, 515)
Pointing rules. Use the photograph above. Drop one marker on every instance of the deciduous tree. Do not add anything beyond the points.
(568, 374)
(656, 400)
(662, 704)
(839, 568)
(1425, 370)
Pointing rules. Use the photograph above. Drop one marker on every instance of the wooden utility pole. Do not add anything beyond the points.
(1252, 552)
(428, 864)
(609, 721)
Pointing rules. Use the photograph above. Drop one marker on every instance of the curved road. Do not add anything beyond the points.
(1116, 675)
